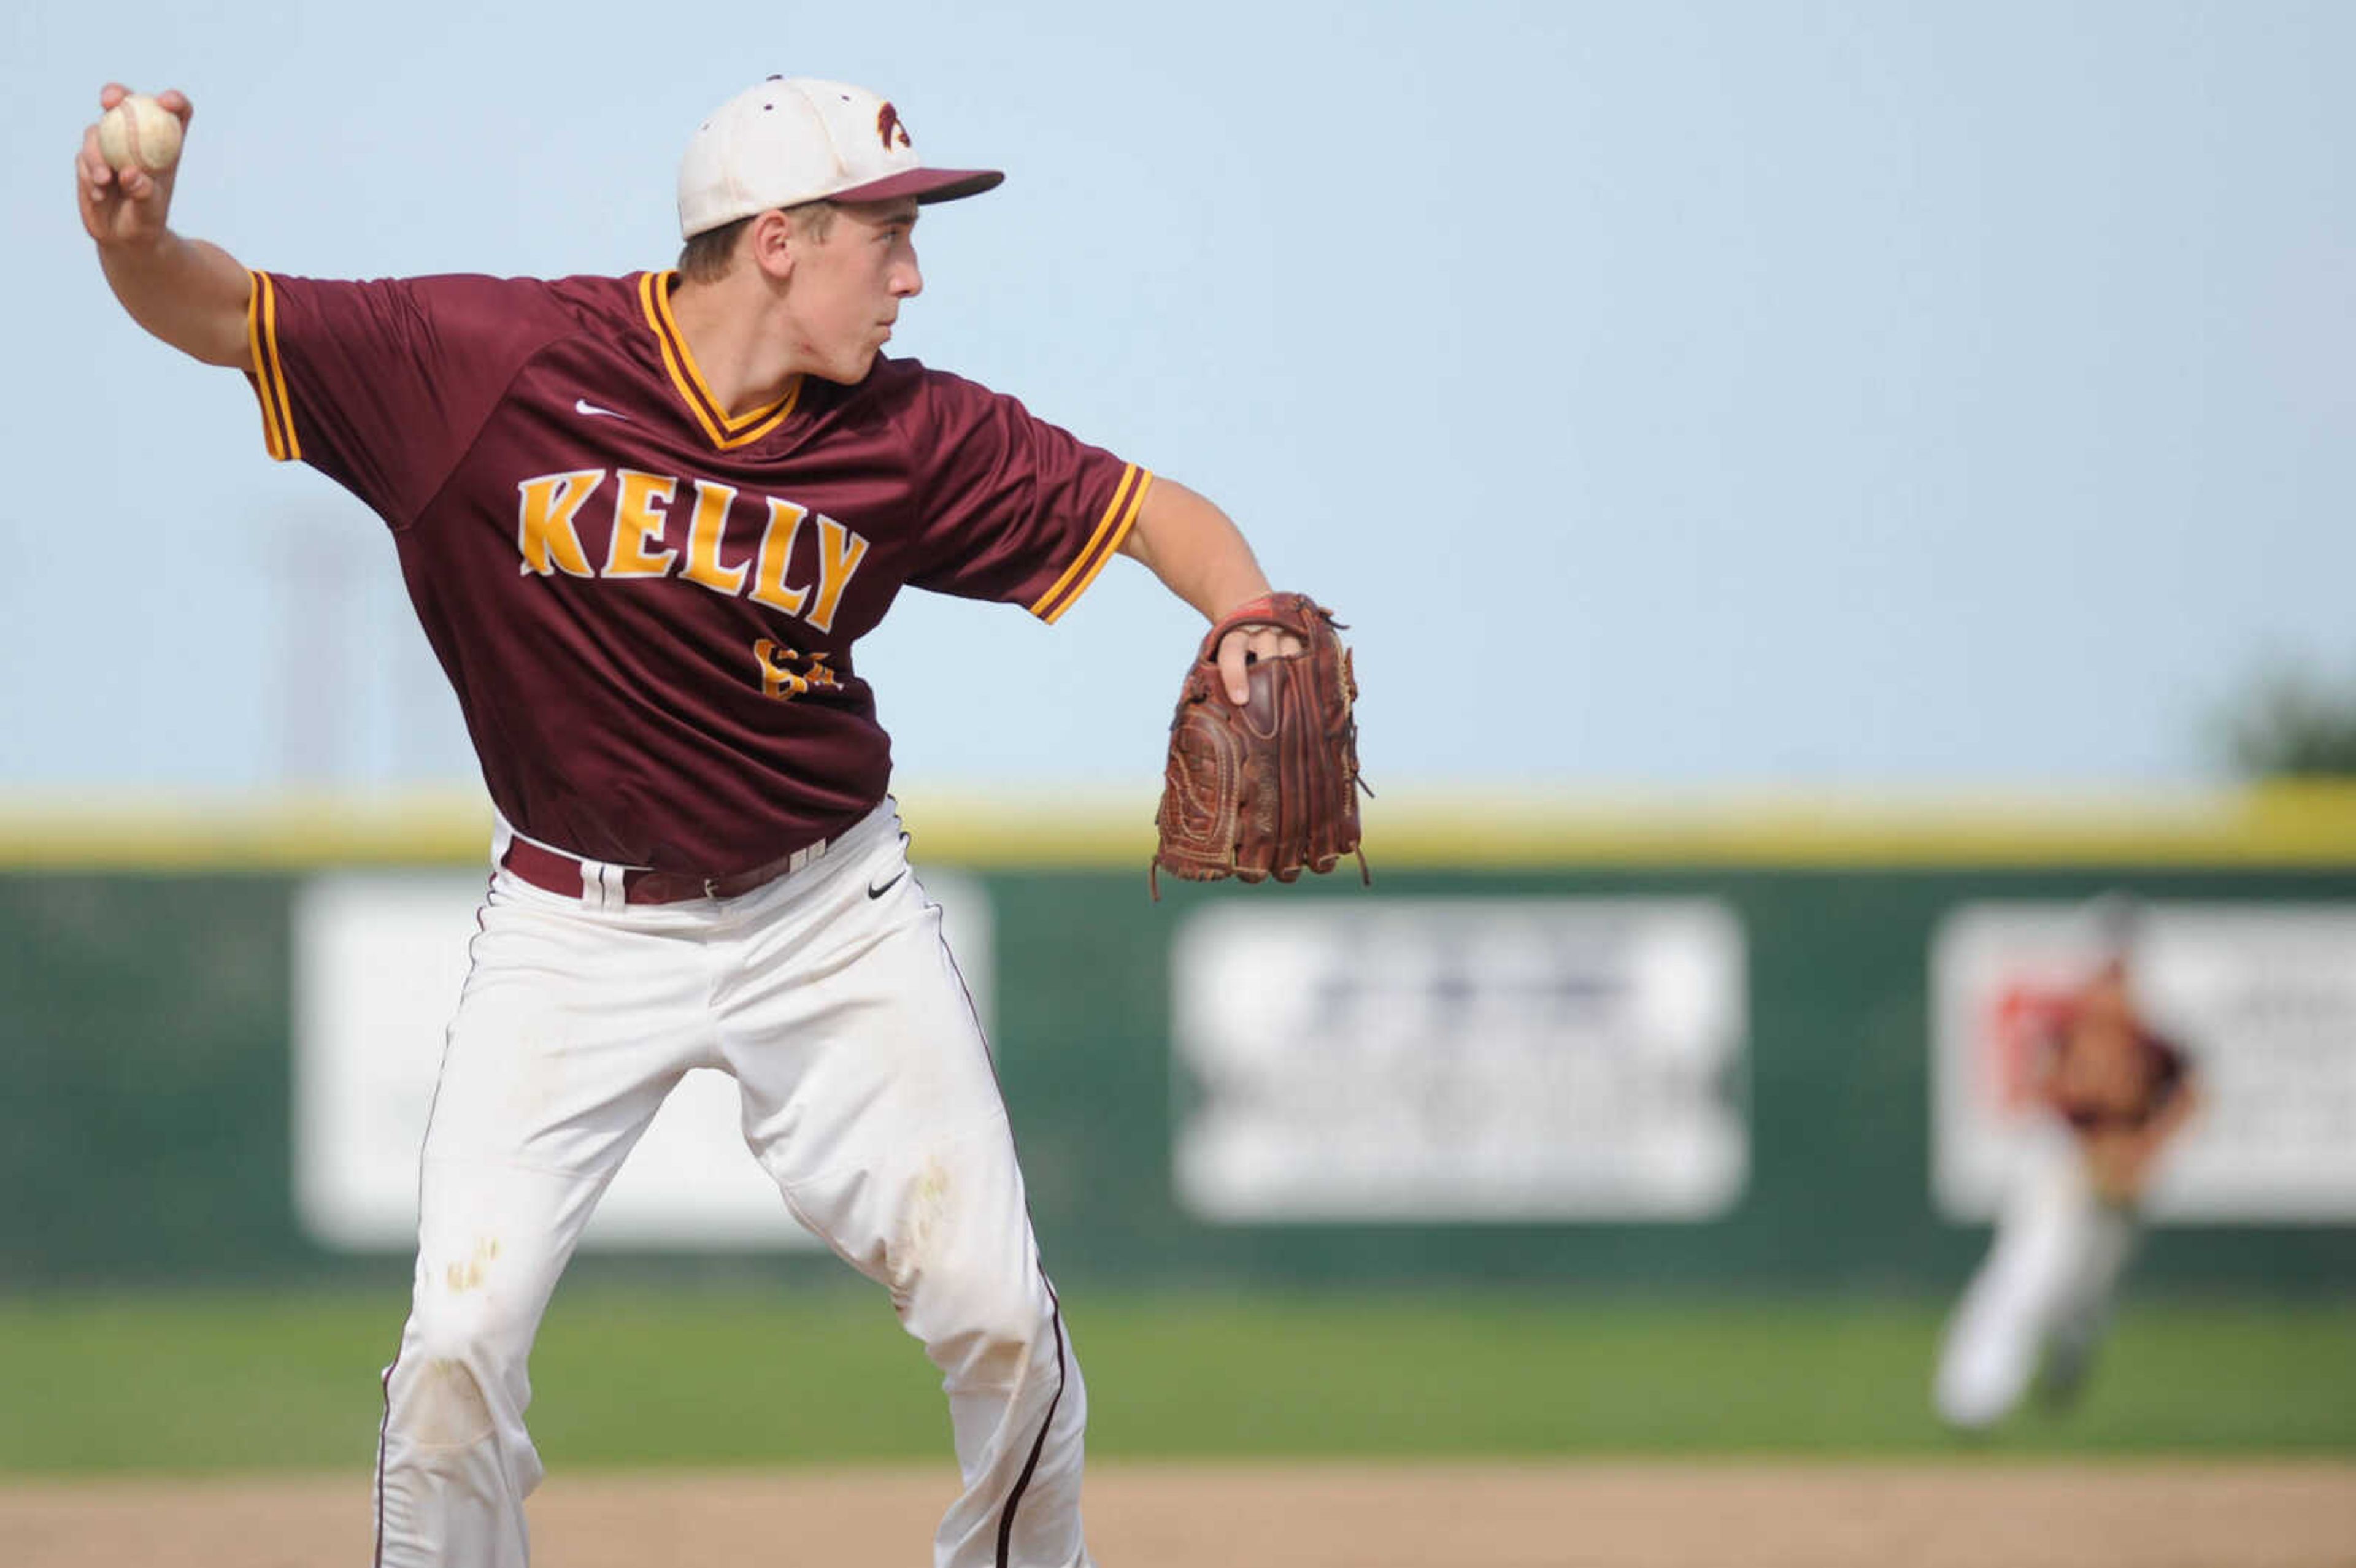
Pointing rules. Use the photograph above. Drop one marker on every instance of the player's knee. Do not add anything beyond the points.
(468, 1325)
(437, 1395)
(437, 1402)
(1000, 1335)
(1967, 1403)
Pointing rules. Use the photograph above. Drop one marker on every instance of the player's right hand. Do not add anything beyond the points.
(125, 207)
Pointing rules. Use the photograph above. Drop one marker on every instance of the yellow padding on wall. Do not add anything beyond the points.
(1433, 825)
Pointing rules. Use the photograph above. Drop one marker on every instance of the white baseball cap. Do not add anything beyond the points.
(793, 139)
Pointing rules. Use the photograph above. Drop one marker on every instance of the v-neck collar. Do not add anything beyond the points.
(724, 431)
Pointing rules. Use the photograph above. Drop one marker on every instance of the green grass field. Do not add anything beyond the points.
(712, 1376)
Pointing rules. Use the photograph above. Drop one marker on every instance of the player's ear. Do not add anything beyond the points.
(771, 243)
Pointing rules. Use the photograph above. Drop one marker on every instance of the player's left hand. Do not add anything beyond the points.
(1244, 647)
(1262, 775)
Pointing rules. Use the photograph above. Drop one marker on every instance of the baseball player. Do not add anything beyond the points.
(645, 521)
(2109, 1095)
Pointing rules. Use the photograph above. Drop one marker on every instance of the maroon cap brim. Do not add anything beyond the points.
(925, 184)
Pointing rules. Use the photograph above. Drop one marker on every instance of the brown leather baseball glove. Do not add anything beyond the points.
(1268, 789)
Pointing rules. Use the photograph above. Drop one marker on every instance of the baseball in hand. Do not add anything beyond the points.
(140, 133)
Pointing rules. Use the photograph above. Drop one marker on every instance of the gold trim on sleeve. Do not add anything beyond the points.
(268, 373)
(1120, 515)
(278, 370)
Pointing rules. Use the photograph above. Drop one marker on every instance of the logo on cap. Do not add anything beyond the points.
(888, 127)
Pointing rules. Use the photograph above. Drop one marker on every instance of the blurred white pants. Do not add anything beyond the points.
(2046, 1284)
(868, 1096)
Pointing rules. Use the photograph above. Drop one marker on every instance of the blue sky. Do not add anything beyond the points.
(1681, 395)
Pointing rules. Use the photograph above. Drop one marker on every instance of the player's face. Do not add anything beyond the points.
(847, 287)
(2105, 1010)
(2105, 1040)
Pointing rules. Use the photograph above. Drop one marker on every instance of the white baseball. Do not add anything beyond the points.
(140, 133)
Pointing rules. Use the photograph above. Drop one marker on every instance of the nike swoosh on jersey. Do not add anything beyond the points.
(876, 892)
(584, 406)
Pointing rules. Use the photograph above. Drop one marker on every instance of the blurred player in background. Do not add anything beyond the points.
(2108, 1096)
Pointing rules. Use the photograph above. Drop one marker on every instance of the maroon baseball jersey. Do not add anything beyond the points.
(2159, 1068)
(648, 605)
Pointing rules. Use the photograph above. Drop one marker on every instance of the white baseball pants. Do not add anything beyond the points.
(868, 1095)
(2046, 1285)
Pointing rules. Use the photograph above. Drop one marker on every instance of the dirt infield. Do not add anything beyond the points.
(1631, 1515)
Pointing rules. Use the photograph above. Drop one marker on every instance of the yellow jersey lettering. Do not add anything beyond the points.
(776, 555)
(544, 514)
(840, 551)
(638, 516)
(711, 504)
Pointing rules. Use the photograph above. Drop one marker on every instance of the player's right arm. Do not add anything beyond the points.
(190, 294)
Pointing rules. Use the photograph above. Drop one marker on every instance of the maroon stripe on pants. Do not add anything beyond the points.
(383, 1431)
(1015, 1498)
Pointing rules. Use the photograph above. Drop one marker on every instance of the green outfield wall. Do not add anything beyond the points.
(146, 971)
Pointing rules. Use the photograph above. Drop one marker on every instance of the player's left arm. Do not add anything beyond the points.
(1201, 557)
(2169, 1118)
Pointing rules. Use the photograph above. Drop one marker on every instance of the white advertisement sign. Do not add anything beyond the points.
(378, 960)
(2262, 997)
(1453, 1059)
